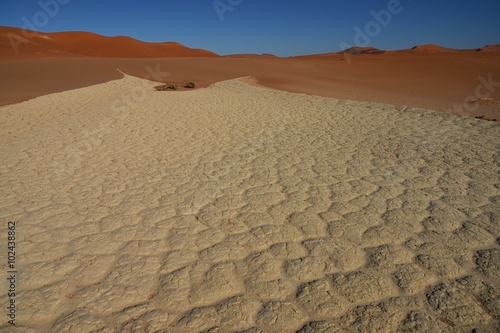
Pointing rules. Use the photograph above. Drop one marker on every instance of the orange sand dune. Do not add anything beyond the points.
(362, 50)
(346, 52)
(251, 55)
(490, 48)
(431, 48)
(19, 43)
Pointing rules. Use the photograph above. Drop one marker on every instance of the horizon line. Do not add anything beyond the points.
(371, 47)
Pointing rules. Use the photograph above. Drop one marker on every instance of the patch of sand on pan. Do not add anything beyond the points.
(240, 208)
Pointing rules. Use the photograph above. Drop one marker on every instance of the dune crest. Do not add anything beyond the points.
(362, 50)
(490, 48)
(431, 48)
(251, 55)
(17, 43)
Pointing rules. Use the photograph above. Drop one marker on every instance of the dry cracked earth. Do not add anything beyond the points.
(242, 209)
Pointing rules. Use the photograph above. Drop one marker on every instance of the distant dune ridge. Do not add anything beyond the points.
(362, 50)
(251, 55)
(490, 48)
(68, 44)
(21, 43)
(431, 48)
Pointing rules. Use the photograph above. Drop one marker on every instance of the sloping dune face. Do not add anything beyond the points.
(362, 50)
(491, 48)
(26, 44)
(431, 48)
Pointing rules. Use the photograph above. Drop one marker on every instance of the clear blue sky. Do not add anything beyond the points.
(281, 27)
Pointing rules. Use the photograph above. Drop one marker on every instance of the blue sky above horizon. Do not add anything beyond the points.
(281, 27)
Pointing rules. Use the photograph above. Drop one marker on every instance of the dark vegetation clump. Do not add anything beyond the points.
(173, 86)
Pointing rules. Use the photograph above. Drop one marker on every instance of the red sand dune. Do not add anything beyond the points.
(362, 50)
(67, 44)
(251, 55)
(430, 48)
(351, 51)
(490, 48)
(433, 80)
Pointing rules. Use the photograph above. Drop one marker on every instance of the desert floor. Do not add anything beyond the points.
(242, 208)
